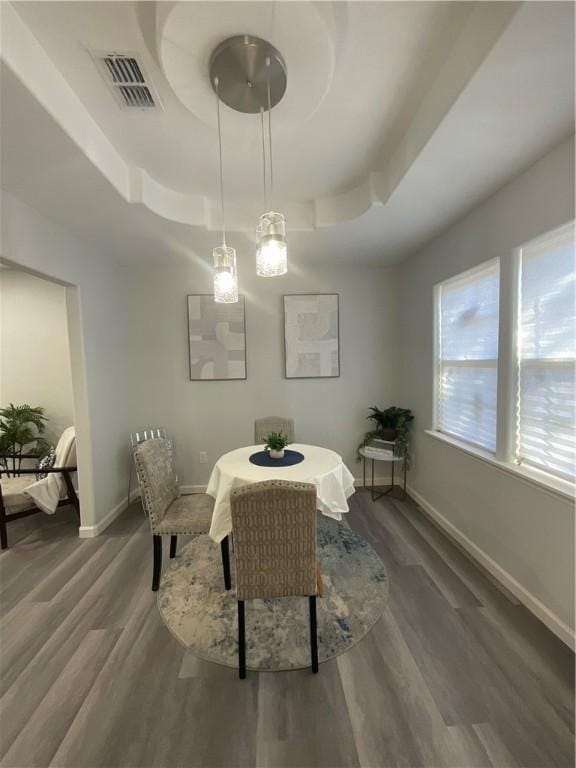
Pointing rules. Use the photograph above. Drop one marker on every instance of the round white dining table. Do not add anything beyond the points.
(324, 468)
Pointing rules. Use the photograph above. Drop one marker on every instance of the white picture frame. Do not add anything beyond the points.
(312, 335)
(216, 339)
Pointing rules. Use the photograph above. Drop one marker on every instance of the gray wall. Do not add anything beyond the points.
(100, 366)
(218, 416)
(526, 531)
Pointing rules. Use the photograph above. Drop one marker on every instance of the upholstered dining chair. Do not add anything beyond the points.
(169, 513)
(140, 436)
(263, 427)
(274, 528)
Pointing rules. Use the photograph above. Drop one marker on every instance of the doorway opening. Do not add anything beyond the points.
(43, 408)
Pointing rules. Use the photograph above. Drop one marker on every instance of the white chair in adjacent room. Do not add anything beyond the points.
(22, 495)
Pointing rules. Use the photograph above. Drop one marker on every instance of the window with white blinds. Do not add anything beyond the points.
(547, 354)
(467, 346)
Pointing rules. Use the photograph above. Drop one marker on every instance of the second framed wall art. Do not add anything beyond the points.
(312, 335)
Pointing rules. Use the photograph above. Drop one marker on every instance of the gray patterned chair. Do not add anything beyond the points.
(274, 528)
(263, 427)
(140, 436)
(169, 513)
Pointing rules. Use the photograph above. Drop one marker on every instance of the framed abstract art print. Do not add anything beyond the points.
(216, 339)
(312, 335)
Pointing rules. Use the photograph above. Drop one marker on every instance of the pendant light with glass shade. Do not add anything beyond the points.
(225, 273)
(249, 75)
(272, 252)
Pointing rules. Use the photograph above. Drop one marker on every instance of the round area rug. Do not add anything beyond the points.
(203, 616)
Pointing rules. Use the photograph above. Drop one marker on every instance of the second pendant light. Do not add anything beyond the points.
(225, 274)
(272, 251)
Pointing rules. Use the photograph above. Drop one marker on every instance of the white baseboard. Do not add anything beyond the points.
(89, 531)
(536, 606)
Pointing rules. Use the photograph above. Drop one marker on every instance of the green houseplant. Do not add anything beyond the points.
(275, 444)
(21, 435)
(392, 424)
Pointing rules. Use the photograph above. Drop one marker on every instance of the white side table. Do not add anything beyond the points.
(382, 450)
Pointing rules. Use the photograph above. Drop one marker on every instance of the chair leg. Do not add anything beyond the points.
(313, 634)
(241, 641)
(405, 468)
(173, 545)
(3, 529)
(130, 477)
(226, 562)
(72, 496)
(157, 545)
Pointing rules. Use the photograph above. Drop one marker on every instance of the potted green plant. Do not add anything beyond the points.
(393, 425)
(21, 435)
(275, 444)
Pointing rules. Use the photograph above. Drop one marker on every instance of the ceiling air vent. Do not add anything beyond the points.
(127, 80)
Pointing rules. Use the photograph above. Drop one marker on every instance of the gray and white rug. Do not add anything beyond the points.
(203, 616)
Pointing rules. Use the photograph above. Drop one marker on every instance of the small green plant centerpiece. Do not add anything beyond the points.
(275, 444)
(21, 436)
(391, 424)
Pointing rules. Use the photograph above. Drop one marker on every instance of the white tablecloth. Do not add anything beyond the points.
(333, 480)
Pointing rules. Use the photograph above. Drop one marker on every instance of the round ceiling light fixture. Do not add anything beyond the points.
(249, 75)
(239, 66)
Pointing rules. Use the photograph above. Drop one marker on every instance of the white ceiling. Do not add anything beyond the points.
(398, 117)
(365, 61)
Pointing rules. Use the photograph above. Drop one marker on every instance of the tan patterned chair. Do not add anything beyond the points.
(263, 427)
(169, 513)
(274, 528)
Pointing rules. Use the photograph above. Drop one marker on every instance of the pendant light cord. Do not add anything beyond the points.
(263, 157)
(217, 84)
(270, 134)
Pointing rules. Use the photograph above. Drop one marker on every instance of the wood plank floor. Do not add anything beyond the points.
(455, 673)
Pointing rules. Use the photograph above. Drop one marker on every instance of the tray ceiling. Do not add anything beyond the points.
(386, 103)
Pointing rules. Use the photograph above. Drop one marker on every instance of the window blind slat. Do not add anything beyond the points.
(468, 354)
(546, 421)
